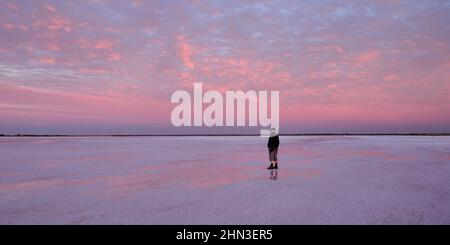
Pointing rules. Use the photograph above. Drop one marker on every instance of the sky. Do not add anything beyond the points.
(110, 67)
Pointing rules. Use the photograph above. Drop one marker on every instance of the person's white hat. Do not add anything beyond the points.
(273, 132)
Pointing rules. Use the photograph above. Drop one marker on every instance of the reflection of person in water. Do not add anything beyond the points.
(272, 145)
(273, 174)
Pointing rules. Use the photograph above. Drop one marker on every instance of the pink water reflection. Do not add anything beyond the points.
(175, 179)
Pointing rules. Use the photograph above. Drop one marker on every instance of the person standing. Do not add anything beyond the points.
(272, 145)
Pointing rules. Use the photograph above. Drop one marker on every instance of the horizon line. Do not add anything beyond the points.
(292, 134)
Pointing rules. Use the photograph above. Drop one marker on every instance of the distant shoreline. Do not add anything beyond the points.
(215, 135)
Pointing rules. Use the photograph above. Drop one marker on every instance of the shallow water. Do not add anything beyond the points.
(222, 180)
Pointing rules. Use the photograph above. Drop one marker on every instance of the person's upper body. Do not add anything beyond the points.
(273, 143)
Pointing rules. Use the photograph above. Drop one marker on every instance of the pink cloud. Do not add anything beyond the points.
(114, 57)
(335, 48)
(137, 3)
(185, 52)
(390, 78)
(103, 44)
(48, 60)
(58, 23)
(44, 106)
(91, 56)
(49, 8)
(54, 23)
(8, 26)
(54, 47)
(365, 57)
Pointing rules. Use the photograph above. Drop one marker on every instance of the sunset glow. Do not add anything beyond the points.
(106, 67)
